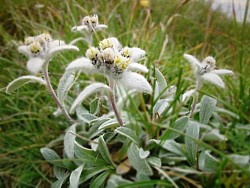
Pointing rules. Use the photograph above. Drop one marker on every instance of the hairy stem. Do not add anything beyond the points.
(113, 102)
(53, 94)
(195, 100)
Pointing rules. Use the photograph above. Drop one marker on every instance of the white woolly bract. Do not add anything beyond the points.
(23, 50)
(23, 80)
(132, 80)
(57, 49)
(79, 28)
(89, 90)
(186, 96)
(214, 79)
(82, 64)
(137, 53)
(34, 65)
(56, 43)
(137, 67)
(222, 71)
(194, 62)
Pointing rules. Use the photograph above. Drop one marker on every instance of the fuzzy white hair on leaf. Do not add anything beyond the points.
(57, 49)
(23, 49)
(214, 79)
(88, 91)
(35, 65)
(132, 80)
(222, 72)
(82, 64)
(137, 67)
(137, 54)
(194, 62)
(79, 28)
(15, 84)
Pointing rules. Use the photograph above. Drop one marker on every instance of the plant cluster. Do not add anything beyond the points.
(104, 146)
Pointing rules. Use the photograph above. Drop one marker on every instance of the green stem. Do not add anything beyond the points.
(53, 94)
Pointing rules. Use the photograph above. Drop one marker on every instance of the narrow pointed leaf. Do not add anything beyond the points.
(180, 125)
(103, 149)
(128, 133)
(88, 91)
(161, 81)
(51, 156)
(64, 85)
(69, 141)
(59, 183)
(99, 180)
(22, 81)
(61, 48)
(207, 162)
(109, 124)
(75, 177)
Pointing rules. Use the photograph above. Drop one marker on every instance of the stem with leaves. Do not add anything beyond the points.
(113, 102)
(53, 94)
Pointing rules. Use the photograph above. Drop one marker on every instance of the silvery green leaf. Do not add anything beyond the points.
(109, 124)
(94, 129)
(22, 81)
(87, 117)
(51, 156)
(94, 106)
(208, 106)
(160, 106)
(69, 141)
(207, 162)
(99, 180)
(88, 91)
(64, 85)
(241, 160)
(155, 161)
(214, 135)
(171, 146)
(59, 183)
(143, 154)
(103, 149)
(162, 84)
(59, 172)
(75, 177)
(141, 165)
(115, 181)
(88, 156)
(192, 131)
(128, 133)
(92, 171)
(180, 125)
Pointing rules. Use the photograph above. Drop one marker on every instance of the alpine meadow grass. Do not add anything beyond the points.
(123, 93)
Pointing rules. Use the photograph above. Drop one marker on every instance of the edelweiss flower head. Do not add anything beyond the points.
(107, 59)
(40, 49)
(89, 23)
(206, 71)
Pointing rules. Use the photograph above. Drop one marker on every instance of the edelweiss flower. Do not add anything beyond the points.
(116, 63)
(40, 49)
(89, 23)
(205, 71)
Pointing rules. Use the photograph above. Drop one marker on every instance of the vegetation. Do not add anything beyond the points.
(165, 30)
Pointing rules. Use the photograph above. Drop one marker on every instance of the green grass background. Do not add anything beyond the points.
(26, 120)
